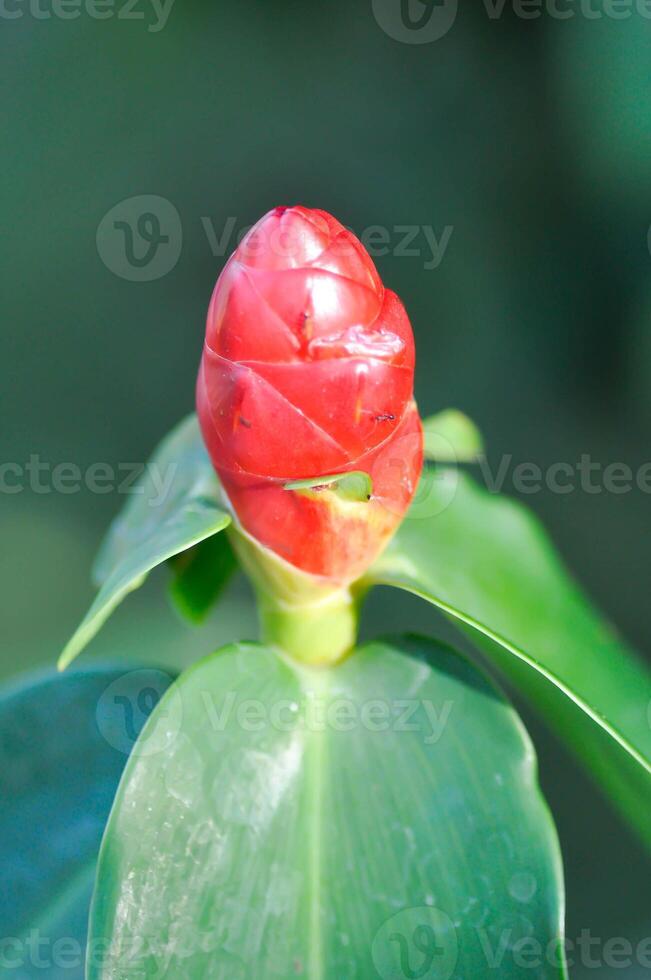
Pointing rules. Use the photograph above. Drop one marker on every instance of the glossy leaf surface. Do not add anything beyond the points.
(376, 819)
(486, 562)
(176, 505)
(64, 741)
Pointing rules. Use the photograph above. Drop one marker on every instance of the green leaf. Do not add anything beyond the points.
(451, 437)
(200, 575)
(377, 819)
(486, 562)
(355, 486)
(176, 505)
(63, 745)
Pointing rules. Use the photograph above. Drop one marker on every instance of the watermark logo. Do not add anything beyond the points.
(140, 238)
(313, 713)
(424, 21)
(127, 703)
(415, 21)
(416, 944)
(400, 241)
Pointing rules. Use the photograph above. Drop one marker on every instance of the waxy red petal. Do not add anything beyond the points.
(358, 402)
(308, 371)
(321, 535)
(257, 428)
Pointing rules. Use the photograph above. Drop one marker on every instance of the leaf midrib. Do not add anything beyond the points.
(317, 762)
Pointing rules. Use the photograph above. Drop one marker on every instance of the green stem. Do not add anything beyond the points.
(310, 618)
(318, 633)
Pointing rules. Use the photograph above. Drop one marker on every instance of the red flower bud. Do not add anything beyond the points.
(307, 371)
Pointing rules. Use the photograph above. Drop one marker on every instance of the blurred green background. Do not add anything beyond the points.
(530, 139)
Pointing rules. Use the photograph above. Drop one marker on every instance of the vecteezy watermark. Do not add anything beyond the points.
(423, 942)
(415, 21)
(416, 942)
(425, 21)
(585, 475)
(569, 9)
(141, 238)
(40, 952)
(438, 490)
(401, 241)
(42, 477)
(527, 952)
(126, 704)
(156, 483)
(155, 13)
(315, 713)
(128, 701)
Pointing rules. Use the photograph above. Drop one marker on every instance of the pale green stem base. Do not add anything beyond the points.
(309, 618)
(317, 634)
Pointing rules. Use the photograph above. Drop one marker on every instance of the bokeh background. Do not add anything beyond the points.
(529, 138)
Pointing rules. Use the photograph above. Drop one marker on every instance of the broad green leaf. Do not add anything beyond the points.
(451, 437)
(377, 819)
(63, 745)
(176, 505)
(200, 575)
(355, 486)
(486, 562)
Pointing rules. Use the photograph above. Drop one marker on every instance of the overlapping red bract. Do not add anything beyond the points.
(307, 371)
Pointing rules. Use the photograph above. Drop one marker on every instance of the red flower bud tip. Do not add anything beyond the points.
(307, 371)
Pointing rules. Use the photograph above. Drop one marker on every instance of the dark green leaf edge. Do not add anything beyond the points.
(119, 585)
(134, 544)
